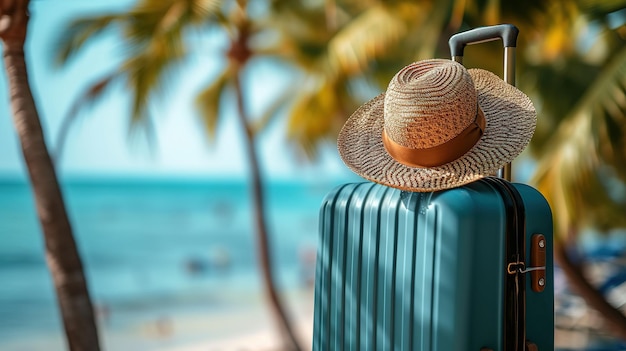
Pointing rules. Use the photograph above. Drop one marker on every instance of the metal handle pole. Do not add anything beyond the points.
(509, 77)
(508, 33)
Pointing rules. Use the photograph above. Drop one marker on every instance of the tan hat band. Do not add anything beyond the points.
(440, 154)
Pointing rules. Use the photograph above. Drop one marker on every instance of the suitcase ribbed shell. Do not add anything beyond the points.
(421, 271)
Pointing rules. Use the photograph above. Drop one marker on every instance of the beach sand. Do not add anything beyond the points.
(253, 329)
(244, 324)
(259, 338)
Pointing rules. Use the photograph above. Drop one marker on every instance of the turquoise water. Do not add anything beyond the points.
(152, 243)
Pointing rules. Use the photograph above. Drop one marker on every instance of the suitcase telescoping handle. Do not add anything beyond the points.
(508, 33)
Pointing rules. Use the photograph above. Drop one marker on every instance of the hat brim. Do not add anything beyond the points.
(510, 123)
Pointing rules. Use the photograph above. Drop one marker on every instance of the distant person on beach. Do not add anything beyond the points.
(218, 261)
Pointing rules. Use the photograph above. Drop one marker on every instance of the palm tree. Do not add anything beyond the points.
(154, 33)
(61, 253)
(348, 50)
(580, 142)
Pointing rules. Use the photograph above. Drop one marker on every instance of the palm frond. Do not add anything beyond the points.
(145, 71)
(586, 153)
(370, 35)
(318, 113)
(208, 101)
(365, 49)
(90, 96)
(569, 177)
(157, 17)
(425, 36)
(557, 39)
(155, 36)
(302, 34)
(601, 7)
(81, 31)
(607, 103)
(311, 119)
(557, 87)
(491, 13)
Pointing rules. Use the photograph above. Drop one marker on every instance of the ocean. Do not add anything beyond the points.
(154, 247)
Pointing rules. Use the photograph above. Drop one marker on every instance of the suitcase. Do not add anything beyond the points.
(468, 268)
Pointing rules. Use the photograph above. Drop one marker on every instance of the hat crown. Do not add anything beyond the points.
(429, 103)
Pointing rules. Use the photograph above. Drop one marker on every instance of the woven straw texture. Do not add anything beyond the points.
(415, 116)
(434, 115)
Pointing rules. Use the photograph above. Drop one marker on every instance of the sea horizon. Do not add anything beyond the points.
(115, 178)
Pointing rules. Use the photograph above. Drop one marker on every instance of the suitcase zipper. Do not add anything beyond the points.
(515, 284)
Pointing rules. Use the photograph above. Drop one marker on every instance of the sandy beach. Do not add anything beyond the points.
(252, 330)
(248, 326)
(261, 337)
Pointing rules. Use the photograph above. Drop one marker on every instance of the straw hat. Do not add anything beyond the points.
(438, 126)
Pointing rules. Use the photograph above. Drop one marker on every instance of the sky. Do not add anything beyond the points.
(99, 145)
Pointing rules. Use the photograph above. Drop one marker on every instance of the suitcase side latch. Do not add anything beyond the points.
(537, 261)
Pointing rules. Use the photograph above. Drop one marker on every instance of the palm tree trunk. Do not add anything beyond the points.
(616, 321)
(61, 253)
(260, 225)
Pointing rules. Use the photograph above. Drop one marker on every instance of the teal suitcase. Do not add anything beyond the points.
(468, 268)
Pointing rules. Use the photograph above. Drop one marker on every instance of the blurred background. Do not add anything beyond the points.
(187, 134)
